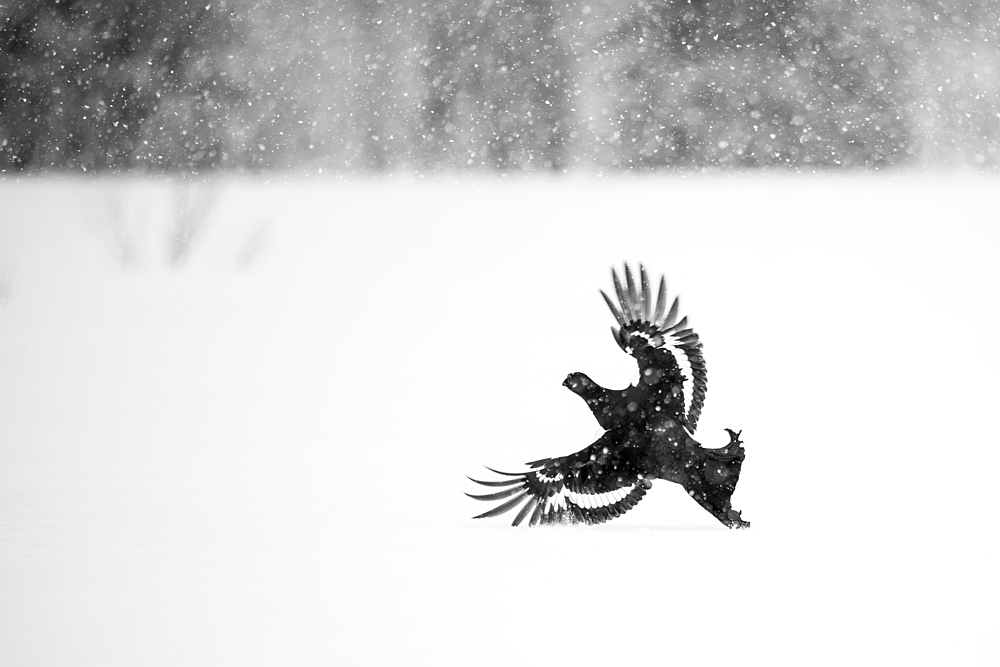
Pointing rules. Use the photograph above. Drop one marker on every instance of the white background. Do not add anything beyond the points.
(257, 457)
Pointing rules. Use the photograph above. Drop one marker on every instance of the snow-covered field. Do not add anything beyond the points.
(246, 444)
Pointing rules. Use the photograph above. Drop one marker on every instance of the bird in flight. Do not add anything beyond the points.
(648, 428)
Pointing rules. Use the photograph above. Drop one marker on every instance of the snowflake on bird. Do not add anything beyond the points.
(648, 428)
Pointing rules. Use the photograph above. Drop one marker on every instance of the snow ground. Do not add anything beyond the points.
(257, 457)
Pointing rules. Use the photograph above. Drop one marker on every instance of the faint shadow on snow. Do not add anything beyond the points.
(4, 287)
(193, 203)
(146, 222)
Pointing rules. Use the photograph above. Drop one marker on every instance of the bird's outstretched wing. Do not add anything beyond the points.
(594, 485)
(661, 343)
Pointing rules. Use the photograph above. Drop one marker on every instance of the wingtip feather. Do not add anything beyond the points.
(505, 482)
(671, 317)
(622, 299)
(499, 495)
(644, 295)
(528, 506)
(508, 474)
(614, 310)
(500, 509)
(661, 301)
(633, 295)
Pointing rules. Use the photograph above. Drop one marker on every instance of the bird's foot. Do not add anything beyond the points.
(734, 519)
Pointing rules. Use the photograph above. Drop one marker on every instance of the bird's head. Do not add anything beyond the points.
(579, 383)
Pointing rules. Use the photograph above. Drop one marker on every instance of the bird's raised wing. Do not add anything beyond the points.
(667, 349)
(594, 485)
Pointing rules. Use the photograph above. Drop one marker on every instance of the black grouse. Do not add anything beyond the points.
(648, 428)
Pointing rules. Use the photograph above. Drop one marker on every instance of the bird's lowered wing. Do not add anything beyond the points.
(594, 485)
(664, 346)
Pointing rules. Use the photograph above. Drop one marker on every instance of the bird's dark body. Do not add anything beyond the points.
(648, 430)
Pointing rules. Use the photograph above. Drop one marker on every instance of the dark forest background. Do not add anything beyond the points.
(368, 85)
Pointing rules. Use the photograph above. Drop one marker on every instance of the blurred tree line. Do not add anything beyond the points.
(179, 85)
